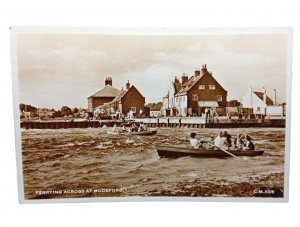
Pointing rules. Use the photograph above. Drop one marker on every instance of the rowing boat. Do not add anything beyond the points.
(178, 151)
(142, 133)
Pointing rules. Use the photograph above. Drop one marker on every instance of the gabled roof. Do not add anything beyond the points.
(188, 85)
(192, 81)
(107, 91)
(119, 96)
(260, 95)
(177, 87)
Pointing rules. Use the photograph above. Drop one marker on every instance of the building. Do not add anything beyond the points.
(261, 103)
(193, 95)
(45, 112)
(107, 94)
(257, 101)
(129, 102)
(155, 109)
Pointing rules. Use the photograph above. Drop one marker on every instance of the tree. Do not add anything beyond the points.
(66, 111)
(75, 110)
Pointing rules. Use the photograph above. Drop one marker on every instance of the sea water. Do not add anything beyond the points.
(72, 163)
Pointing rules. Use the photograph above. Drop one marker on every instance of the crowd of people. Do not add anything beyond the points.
(223, 141)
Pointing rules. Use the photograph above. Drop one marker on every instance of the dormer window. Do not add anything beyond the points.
(201, 87)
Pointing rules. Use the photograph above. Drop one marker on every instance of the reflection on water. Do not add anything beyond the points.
(80, 159)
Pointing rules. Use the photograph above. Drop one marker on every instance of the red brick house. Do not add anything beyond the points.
(107, 94)
(128, 101)
(197, 93)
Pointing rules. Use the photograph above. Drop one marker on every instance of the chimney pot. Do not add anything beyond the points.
(203, 70)
(127, 85)
(108, 80)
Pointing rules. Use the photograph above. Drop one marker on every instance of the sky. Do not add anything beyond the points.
(57, 69)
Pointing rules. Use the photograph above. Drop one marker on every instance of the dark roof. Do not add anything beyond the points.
(177, 86)
(261, 96)
(187, 85)
(155, 106)
(119, 96)
(107, 91)
(192, 81)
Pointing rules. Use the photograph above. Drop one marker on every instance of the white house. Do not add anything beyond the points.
(170, 104)
(258, 101)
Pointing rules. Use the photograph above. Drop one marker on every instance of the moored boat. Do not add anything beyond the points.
(178, 151)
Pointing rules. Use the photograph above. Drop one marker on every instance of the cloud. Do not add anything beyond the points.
(72, 67)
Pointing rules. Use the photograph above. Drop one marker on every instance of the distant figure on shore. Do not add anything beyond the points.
(123, 118)
(248, 143)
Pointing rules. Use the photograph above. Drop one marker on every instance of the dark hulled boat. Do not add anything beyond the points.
(149, 132)
(178, 151)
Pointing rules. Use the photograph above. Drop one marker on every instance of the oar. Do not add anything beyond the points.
(227, 152)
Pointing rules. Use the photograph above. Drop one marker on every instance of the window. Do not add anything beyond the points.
(183, 98)
(219, 98)
(212, 87)
(133, 109)
(258, 109)
(201, 87)
(195, 97)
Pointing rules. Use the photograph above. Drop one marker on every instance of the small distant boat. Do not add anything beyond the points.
(142, 133)
(178, 151)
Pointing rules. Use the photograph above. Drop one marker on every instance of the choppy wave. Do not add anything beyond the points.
(73, 158)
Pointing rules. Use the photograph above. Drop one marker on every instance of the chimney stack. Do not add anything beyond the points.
(127, 85)
(203, 70)
(176, 80)
(197, 72)
(108, 81)
(184, 78)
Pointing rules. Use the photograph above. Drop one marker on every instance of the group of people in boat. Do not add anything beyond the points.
(133, 128)
(223, 141)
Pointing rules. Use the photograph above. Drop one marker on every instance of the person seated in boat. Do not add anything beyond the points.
(248, 143)
(194, 141)
(227, 141)
(238, 142)
(124, 129)
(142, 128)
(134, 128)
(219, 140)
(210, 143)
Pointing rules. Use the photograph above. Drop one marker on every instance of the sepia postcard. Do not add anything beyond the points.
(156, 114)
